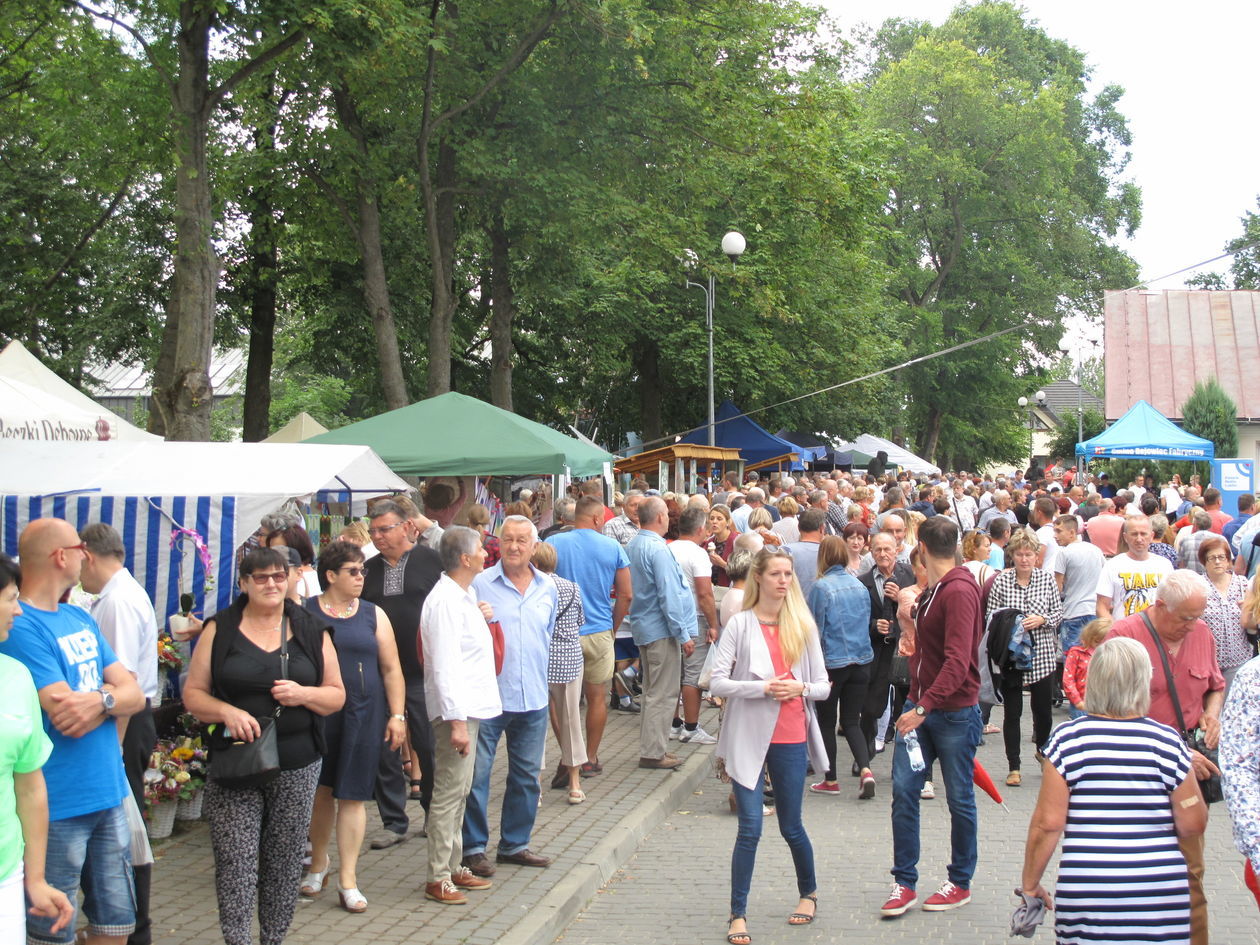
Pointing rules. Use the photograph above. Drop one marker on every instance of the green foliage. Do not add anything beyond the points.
(1210, 413)
(1064, 442)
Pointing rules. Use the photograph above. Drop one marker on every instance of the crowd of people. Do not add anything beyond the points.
(896, 611)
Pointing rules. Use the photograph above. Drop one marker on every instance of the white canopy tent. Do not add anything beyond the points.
(150, 490)
(866, 443)
(36, 404)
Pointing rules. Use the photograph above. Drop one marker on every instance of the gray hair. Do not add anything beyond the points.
(388, 507)
(738, 564)
(521, 520)
(1201, 520)
(692, 520)
(457, 541)
(278, 521)
(565, 509)
(1179, 587)
(1119, 678)
(653, 509)
(103, 541)
(756, 495)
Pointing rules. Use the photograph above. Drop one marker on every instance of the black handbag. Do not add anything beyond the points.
(239, 765)
(1210, 786)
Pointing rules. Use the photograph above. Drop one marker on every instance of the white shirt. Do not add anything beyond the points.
(694, 562)
(1171, 499)
(125, 615)
(1080, 563)
(1045, 535)
(1131, 584)
(459, 679)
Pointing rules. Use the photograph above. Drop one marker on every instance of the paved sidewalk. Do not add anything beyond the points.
(525, 907)
(676, 888)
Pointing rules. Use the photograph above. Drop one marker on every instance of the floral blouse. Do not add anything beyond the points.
(1240, 759)
(1224, 617)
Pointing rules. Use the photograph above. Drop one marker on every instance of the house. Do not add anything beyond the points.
(125, 388)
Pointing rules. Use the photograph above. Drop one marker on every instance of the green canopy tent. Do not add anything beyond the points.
(455, 435)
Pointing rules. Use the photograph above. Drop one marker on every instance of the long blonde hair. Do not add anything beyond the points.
(796, 623)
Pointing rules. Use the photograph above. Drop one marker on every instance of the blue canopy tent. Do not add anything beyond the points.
(755, 443)
(1145, 433)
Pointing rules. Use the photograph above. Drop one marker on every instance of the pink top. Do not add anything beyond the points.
(790, 729)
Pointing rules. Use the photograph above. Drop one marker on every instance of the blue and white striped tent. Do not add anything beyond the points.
(148, 490)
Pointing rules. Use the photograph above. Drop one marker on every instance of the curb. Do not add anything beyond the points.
(568, 897)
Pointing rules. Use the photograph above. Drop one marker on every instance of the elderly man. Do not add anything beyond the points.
(883, 583)
(460, 692)
(1179, 643)
(398, 580)
(625, 526)
(697, 571)
(1127, 584)
(663, 621)
(1103, 530)
(125, 615)
(1188, 542)
(1001, 508)
(564, 509)
(83, 689)
(524, 601)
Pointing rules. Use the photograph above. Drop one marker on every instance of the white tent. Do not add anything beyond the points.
(898, 456)
(36, 404)
(302, 427)
(150, 490)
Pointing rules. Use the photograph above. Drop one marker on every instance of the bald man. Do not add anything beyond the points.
(83, 689)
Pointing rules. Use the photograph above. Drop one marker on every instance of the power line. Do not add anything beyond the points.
(1226, 255)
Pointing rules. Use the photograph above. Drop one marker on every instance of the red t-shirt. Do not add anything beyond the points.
(790, 729)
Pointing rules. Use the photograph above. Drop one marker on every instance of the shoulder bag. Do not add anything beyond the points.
(1211, 786)
(240, 765)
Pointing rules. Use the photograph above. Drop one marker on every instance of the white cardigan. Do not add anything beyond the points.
(741, 669)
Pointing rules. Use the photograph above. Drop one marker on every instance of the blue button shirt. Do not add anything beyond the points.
(527, 620)
(663, 606)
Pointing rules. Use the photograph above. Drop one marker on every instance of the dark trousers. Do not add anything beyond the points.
(391, 780)
(877, 691)
(1040, 695)
(137, 747)
(848, 693)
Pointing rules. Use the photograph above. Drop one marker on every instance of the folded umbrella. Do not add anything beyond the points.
(981, 778)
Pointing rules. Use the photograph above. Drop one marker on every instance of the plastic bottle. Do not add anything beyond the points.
(913, 751)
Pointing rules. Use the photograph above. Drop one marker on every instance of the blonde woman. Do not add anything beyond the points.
(761, 522)
(769, 669)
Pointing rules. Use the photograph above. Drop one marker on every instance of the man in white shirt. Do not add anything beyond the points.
(697, 571)
(1127, 583)
(1041, 518)
(1076, 567)
(460, 689)
(1170, 497)
(125, 615)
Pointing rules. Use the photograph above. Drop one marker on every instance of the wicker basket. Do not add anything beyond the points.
(162, 820)
(190, 809)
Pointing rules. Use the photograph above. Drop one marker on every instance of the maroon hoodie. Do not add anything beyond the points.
(945, 667)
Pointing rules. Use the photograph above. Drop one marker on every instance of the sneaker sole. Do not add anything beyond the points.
(945, 906)
(899, 910)
(814, 790)
(868, 791)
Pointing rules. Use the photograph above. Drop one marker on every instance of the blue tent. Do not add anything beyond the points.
(1145, 433)
(735, 431)
(808, 445)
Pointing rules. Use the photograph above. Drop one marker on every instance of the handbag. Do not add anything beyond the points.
(1210, 786)
(239, 765)
(899, 673)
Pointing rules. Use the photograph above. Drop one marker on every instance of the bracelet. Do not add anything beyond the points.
(400, 718)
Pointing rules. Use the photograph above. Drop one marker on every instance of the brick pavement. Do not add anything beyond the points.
(676, 888)
(525, 905)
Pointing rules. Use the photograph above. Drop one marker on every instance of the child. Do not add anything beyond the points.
(1076, 666)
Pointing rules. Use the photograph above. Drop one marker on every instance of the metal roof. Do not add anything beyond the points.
(1063, 396)
(1158, 345)
(227, 376)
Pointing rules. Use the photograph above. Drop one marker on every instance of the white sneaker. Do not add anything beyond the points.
(675, 732)
(698, 737)
(928, 793)
(879, 744)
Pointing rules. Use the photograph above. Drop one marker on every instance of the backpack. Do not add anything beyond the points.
(1010, 646)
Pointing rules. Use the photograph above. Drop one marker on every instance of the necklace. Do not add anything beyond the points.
(333, 612)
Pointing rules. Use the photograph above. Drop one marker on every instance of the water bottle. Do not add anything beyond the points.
(913, 751)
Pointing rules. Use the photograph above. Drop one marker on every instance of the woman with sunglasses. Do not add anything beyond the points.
(769, 668)
(236, 678)
(372, 676)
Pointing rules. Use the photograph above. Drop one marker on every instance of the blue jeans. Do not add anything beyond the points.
(949, 737)
(526, 735)
(92, 850)
(1070, 631)
(786, 764)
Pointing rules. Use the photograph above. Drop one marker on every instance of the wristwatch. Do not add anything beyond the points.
(107, 700)
(920, 711)
(400, 718)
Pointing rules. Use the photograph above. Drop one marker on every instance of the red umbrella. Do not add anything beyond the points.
(981, 778)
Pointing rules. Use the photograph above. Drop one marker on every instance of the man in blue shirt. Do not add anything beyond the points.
(1246, 506)
(524, 602)
(82, 689)
(663, 621)
(599, 567)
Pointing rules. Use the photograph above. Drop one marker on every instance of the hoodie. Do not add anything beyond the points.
(945, 667)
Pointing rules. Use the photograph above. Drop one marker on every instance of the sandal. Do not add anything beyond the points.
(804, 918)
(737, 938)
(577, 796)
(313, 882)
(415, 790)
(1013, 779)
(351, 899)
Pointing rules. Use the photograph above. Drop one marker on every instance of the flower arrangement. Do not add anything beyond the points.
(177, 771)
(169, 657)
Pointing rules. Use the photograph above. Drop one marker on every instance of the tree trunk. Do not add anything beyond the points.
(260, 280)
(646, 357)
(931, 433)
(502, 311)
(440, 223)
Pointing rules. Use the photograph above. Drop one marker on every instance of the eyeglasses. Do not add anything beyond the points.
(353, 572)
(379, 530)
(1217, 558)
(81, 546)
(271, 577)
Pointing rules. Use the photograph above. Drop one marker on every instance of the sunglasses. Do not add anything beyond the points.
(271, 577)
(353, 572)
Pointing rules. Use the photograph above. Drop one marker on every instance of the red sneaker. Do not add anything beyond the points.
(899, 900)
(948, 896)
(826, 787)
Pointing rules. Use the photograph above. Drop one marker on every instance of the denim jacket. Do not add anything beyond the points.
(841, 606)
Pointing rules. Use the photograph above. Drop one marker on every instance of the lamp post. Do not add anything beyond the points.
(1023, 403)
(733, 245)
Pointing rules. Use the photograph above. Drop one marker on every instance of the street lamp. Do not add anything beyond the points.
(1024, 404)
(733, 245)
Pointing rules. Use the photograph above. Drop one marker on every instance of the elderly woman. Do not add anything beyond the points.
(769, 668)
(238, 679)
(1224, 606)
(1034, 593)
(737, 566)
(760, 522)
(787, 528)
(1135, 774)
(1240, 765)
(373, 712)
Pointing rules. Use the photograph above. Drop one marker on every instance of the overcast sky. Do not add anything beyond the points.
(1188, 71)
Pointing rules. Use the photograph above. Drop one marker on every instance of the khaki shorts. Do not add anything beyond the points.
(597, 657)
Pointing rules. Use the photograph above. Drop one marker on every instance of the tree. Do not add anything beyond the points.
(1063, 444)
(1210, 413)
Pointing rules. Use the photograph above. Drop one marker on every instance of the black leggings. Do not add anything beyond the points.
(848, 692)
(1041, 692)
